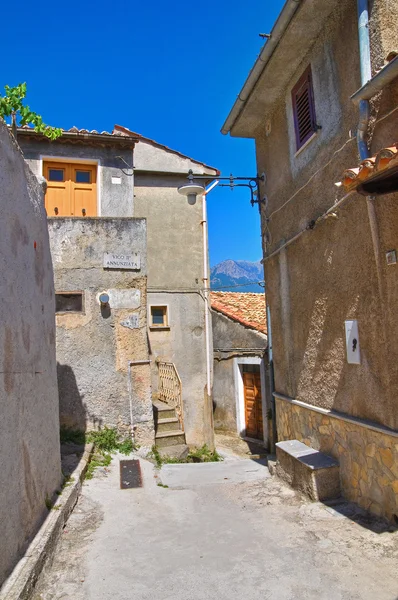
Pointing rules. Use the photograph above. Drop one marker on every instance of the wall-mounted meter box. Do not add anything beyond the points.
(352, 342)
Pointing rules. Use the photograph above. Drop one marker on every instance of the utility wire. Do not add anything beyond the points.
(260, 283)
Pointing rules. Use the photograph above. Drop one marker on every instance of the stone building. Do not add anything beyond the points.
(29, 426)
(116, 194)
(240, 398)
(321, 104)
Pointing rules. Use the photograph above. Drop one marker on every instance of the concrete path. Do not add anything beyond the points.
(190, 475)
(253, 540)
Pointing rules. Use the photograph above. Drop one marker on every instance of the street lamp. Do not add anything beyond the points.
(191, 189)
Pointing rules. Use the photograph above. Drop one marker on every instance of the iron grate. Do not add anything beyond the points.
(130, 474)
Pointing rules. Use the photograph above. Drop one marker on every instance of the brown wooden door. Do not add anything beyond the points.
(57, 200)
(253, 405)
(83, 191)
(71, 189)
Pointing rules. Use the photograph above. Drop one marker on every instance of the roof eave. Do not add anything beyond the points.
(97, 139)
(289, 9)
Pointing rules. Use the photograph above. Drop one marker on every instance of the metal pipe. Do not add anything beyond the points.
(133, 363)
(271, 380)
(277, 32)
(377, 83)
(366, 75)
(209, 356)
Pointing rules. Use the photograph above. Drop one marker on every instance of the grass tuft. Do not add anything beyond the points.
(203, 454)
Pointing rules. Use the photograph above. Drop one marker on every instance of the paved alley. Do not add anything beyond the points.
(254, 540)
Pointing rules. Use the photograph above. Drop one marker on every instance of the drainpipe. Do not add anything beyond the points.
(133, 363)
(271, 381)
(206, 285)
(366, 75)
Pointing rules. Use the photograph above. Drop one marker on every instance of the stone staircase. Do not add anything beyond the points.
(169, 437)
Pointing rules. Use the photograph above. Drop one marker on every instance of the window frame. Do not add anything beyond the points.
(307, 81)
(69, 293)
(166, 313)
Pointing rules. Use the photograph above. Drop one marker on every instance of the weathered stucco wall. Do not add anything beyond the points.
(29, 425)
(175, 278)
(183, 344)
(114, 199)
(328, 275)
(94, 347)
(332, 272)
(231, 340)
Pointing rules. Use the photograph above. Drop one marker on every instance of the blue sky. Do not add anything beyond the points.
(163, 69)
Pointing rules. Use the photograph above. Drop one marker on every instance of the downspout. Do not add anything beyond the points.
(271, 381)
(364, 153)
(366, 75)
(206, 285)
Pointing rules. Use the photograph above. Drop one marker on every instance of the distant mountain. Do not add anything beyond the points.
(234, 275)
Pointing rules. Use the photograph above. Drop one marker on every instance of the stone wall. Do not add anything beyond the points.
(368, 456)
(94, 346)
(29, 425)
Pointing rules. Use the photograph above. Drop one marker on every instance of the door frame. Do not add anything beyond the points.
(240, 395)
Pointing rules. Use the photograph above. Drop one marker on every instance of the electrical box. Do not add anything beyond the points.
(352, 342)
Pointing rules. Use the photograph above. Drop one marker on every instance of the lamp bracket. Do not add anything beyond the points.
(251, 182)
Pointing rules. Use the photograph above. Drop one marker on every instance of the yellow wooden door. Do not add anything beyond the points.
(57, 201)
(84, 190)
(253, 405)
(71, 189)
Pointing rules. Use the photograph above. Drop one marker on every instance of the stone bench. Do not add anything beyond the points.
(308, 470)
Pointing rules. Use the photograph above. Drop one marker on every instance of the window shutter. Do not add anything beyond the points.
(304, 108)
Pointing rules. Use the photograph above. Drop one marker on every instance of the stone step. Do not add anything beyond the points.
(162, 411)
(169, 424)
(180, 451)
(169, 438)
(308, 470)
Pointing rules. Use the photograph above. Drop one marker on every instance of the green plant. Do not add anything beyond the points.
(162, 485)
(72, 436)
(11, 105)
(109, 440)
(98, 460)
(203, 454)
(48, 502)
(127, 446)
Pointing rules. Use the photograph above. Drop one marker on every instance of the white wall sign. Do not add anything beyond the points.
(122, 261)
(132, 322)
(122, 298)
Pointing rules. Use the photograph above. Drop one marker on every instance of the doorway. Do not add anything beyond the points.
(254, 425)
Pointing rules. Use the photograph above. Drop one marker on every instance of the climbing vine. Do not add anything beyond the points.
(12, 106)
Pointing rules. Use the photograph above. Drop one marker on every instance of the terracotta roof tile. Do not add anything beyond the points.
(384, 161)
(246, 308)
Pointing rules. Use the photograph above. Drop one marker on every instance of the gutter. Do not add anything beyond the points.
(385, 76)
(267, 51)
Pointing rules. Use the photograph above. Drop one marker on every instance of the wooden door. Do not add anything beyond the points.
(83, 191)
(253, 405)
(71, 189)
(57, 200)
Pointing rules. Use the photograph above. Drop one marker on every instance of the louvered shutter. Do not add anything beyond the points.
(304, 108)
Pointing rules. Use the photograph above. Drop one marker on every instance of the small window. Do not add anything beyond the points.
(304, 109)
(159, 317)
(56, 175)
(83, 177)
(66, 302)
